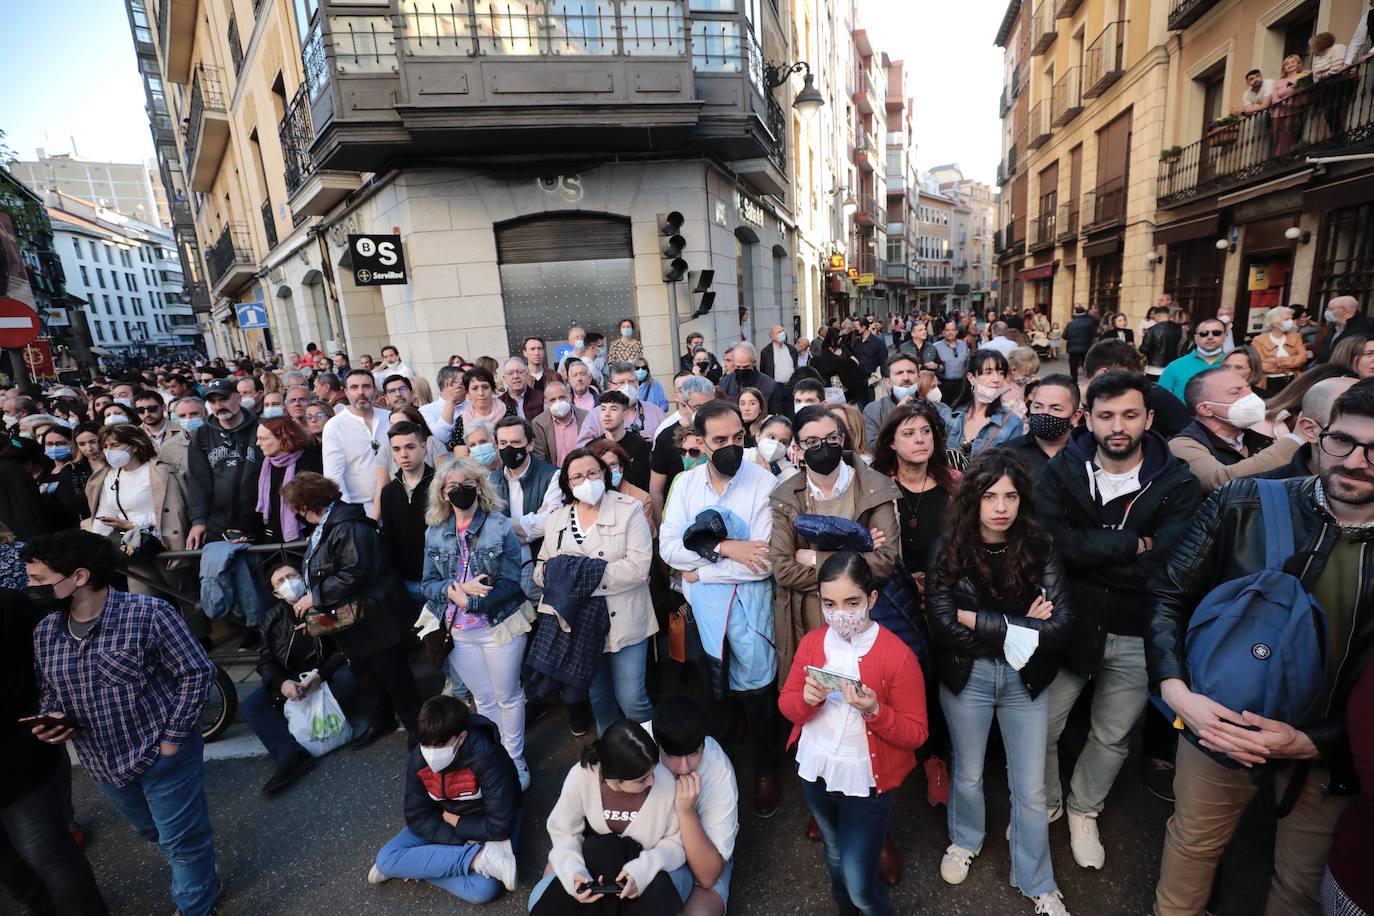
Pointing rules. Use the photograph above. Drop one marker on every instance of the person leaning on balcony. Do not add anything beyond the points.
(1328, 55)
(1361, 47)
(1255, 97)
(1282, 351)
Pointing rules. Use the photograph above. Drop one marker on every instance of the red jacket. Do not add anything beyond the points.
(891, 671)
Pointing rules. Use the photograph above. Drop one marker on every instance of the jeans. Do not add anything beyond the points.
(995, 687)
(446, 867)
(40, 864)
(852, 832)
(1119, 696)
(492, 673)
(618, 687)
(166, 805)
(268, 720)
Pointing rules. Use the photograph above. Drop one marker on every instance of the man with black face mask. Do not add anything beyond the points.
(728, 585)
(747, 375)
(1116, 503)
(529, 488)
(1052, 412)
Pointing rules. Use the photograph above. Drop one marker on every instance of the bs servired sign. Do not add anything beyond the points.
(377, 260)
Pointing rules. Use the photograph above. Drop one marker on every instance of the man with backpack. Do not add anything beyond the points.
(1270, 574)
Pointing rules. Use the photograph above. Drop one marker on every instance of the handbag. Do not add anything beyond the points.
(437, 644)
(677, 633)
(322, 622)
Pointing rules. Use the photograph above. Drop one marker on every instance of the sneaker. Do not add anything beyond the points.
(497, 860)
(1055, 814)
(523, 771)
(1159, 777)
(954, 866)
(375, 876)
(1051, 904)
(1085, 842)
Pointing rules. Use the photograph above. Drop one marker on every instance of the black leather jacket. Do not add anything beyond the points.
(1159, 346)
(957, 646)
(1225, 542)
(350, 564)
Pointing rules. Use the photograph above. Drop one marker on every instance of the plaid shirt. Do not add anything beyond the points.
(138, 678)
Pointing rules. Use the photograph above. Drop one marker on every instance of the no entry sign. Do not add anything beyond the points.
(18, 323)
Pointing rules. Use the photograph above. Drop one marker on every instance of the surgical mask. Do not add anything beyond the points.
(934, 395)
(1208, 353)
(846, 624)
(11, 422)
(986, 394)
(462, 497)
(115, 419)
(902, 392)
(561, 409)
(771, 450)
(1047, 426)
(589, 491)
(439, 758)
(631, 392)
(579, 344)
(617, 475)
(58, 452)
(117, 457)
(1224, 319)
(627, 332)
(688, 462)
(798, 407)
(641, 374)
(291, 589)
(45, 598)
(484, 453)
(1329, 315)
(273, 411)
(824, 458)
(191, 424)
(512, 457)
(727, 459)
(127, 402)
(1246, 413)
(1287, 325)
(782, 337)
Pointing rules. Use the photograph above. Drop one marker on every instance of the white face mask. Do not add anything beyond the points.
(782, 337)
(590, 491)
(985, 394)
(933, 395)
(1287, 325)
(797, 407)
(249, 402)
(771, 450)
(1245, 413)
(1224, 319)
(630, 391)
(561, 408)
(439, 758)
(118, 457)
(291, 589)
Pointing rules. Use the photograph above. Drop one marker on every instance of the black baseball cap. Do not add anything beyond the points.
(221, 388)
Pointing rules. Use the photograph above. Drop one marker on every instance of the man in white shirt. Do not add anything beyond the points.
(440, 414)
(1000, 342)
(1361, 45)
(707, 804)
(735, 632)
(391, 364)
(1253, 99)
(353, 443)
(779, 359)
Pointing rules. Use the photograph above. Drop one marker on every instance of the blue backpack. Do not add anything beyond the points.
(1258, 643)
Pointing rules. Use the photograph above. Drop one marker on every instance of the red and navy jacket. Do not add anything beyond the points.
(480, 786)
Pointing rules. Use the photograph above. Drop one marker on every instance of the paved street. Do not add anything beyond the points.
(308, 851)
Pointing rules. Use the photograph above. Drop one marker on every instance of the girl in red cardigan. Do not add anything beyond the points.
(855, 745)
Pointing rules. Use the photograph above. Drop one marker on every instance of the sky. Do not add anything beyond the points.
(85, 86)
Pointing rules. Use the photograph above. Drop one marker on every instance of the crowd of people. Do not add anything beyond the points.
(847, 555)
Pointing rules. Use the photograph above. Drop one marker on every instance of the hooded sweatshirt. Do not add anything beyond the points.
(222, 471)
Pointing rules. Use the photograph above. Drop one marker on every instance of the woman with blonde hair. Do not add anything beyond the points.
(471, 584)
(1282, 352)
(854, 426)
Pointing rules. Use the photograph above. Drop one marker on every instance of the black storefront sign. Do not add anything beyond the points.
(377, 260)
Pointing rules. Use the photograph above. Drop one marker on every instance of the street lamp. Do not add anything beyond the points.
(849, 204)
(809, 100)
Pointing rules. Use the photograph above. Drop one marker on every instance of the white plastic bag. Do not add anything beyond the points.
(317, 721)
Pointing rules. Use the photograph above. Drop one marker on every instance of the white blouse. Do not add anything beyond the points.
(131, 490)
(834, 744)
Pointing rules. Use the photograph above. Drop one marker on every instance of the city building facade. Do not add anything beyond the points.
(132, 188)
(977, 210)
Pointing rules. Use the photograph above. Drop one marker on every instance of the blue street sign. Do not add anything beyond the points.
(252, 316)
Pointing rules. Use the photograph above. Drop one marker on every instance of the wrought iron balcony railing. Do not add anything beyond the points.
(1105, 60)
(295, 135)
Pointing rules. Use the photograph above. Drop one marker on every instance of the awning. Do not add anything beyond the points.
(1043, 272)
(1185, 230)
(1096, 249)
(1347, 193)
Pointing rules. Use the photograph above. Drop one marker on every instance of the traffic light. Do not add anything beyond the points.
(703, 297)
(671, 244)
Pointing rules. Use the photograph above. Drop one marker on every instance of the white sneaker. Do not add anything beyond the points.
(1055, 814)
(497, 860)
(375, 876)
(954, 866)
(1085, 842)
(1051, 904)
(523, 771)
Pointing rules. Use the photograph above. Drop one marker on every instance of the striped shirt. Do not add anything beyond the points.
(137, 678)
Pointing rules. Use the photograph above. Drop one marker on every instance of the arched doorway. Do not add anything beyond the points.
(288, 327)
(745, 240)
(320, 327)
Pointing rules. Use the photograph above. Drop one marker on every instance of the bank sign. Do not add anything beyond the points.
(377, 260)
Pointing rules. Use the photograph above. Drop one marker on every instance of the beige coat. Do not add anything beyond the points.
(796, 602)
(169, 502)
(1268, 351)
(620, 537)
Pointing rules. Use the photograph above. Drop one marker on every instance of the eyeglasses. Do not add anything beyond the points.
(317, 416)
(691, 452)
(148, 408)
(1211, 333)
(575, 479)
(812, 442)
(399, 389)
(1339, 445)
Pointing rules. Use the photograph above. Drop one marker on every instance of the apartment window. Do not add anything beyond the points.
(85, 278)
(1299, 29)
(1345, 260)
(109, 254)
(1213, 95)
(716, 46)
(99, 331)
(132, 283)
(100, 277)
(95, 252)
(305, 14)
(120, 300)
(114, 279)
(778, 275)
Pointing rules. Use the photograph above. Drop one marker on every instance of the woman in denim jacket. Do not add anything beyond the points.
(472, 584)
(979, 419)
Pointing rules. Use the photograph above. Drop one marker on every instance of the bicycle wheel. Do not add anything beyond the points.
(220, 706)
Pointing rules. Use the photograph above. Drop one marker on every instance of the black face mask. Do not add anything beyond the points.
(44, 597)
(744, 376)
(824, 458)
(463, 496)
(512, 456)
(1047, 426)
(727, 459)
(703, 366)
